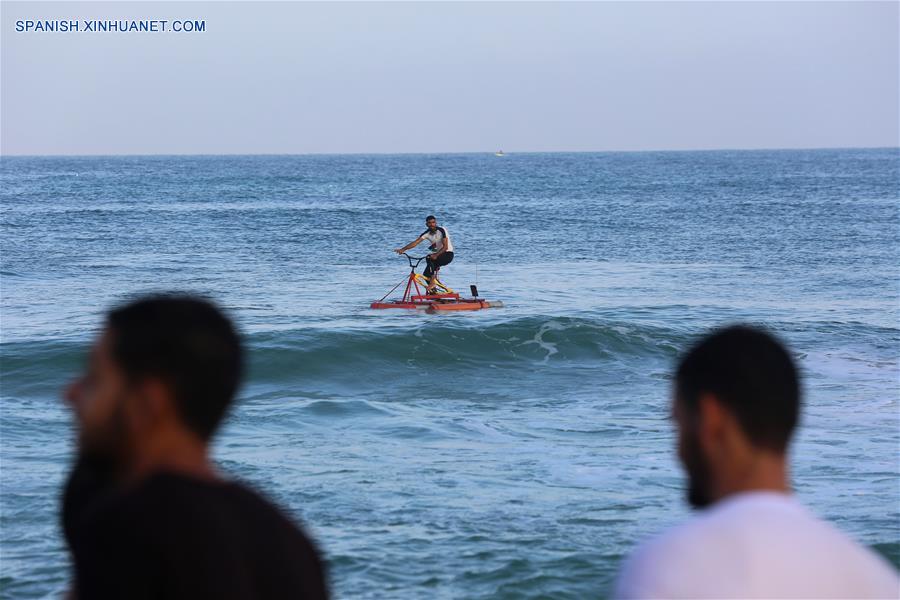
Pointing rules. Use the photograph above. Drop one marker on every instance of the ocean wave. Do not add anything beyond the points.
(529, 341)
(533, 341)
(358, 353)
(23, 359)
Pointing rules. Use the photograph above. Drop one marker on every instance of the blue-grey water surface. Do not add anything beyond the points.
(510, 453)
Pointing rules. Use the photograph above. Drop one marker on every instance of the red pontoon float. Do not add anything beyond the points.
(415, 296)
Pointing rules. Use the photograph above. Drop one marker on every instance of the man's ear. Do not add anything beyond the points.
(711, 419)
(154, 404)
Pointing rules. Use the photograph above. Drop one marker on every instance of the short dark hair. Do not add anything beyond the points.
(752, 374)
(430, 217)
(189, 344)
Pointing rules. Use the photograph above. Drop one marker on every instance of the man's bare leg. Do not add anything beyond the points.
(430, 288)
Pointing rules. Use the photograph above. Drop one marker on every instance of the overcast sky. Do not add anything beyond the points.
(452, 77)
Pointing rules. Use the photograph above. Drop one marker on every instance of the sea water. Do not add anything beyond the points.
(510, 453)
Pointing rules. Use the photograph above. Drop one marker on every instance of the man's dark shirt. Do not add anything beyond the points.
(172, 536)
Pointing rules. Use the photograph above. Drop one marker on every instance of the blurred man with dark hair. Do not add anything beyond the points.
(736, 404)
(145, 513)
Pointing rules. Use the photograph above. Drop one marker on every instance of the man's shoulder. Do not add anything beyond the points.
(652, 569)
(671, 562)
(678, 543)
(726, 525)
(689, 559)
(759, 544)
(231, 535)
(180, 501)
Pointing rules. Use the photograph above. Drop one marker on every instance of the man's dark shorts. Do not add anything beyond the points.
(433, 265)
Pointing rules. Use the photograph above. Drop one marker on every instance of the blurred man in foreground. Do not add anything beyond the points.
(736, 403)
(145, 512)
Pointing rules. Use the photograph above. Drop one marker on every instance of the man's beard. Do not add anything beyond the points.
(698, 492)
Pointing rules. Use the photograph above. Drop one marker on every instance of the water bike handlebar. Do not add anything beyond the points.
(418, 259)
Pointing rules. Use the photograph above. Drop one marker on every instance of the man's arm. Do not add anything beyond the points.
(410, 245)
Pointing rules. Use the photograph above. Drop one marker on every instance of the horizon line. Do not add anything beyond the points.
(463, 152)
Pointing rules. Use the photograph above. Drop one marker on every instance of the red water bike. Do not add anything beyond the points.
(442, 298)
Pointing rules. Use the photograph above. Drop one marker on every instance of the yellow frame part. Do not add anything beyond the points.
(421, 279)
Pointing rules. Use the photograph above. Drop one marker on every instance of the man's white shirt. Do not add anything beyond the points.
(755, 545)
(437, 238)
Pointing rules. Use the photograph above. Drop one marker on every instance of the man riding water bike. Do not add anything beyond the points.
(441, 248)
